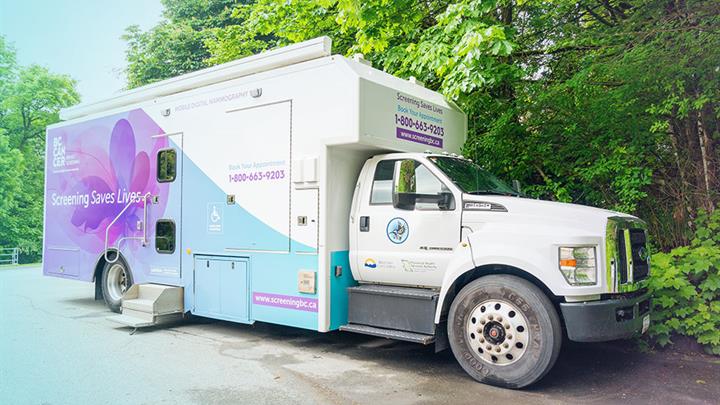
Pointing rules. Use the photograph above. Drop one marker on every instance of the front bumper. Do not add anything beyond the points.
(607, 319)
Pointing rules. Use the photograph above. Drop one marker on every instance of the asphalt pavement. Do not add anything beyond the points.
(57, 347)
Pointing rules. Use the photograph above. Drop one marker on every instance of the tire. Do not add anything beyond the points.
(116, 279)
(515, 320)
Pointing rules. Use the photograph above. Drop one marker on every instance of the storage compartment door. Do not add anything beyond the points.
(207, 286)
(65, 261)
(221, 288)
(234, 291)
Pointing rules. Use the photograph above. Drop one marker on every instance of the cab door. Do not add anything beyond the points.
(410, 246)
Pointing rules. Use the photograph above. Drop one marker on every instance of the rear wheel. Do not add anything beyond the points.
(116, 279)
(504, 331)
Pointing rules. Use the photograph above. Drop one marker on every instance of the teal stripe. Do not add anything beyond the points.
(338, 288)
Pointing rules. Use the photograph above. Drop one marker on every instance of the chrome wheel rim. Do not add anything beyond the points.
(117, 282)
(497, 332)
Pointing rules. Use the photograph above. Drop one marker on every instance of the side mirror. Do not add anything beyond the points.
(404, 189)
(446, 201)
(404, 186)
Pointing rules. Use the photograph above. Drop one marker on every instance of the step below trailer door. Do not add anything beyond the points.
(163, 214)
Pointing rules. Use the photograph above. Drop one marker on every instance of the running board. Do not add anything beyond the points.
(389, 333)
(146, 305)
(393, 308)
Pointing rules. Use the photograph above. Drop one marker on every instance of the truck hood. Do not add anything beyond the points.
(529, 211)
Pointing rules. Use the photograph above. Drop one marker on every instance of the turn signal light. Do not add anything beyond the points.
(568, 263)
(578, 264)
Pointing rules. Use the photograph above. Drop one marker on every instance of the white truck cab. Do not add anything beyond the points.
(508, 270)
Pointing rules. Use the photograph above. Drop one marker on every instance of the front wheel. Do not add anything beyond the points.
(116, 279)
(504, 331)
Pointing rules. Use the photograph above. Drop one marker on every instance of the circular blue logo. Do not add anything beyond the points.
(398, 230)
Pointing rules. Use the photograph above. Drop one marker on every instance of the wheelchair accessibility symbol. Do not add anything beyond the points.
(215, 217)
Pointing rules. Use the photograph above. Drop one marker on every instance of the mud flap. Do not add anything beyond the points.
(441, 338)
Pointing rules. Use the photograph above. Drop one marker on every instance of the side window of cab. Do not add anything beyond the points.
(382, 183)
(417, 187)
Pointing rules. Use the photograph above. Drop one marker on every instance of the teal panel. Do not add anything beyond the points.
(338, 288)
(275, 297)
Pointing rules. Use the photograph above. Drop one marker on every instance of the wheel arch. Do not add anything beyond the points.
(100, 265)
(484, 270)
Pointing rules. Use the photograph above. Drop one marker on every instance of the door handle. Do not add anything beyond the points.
(365, 224)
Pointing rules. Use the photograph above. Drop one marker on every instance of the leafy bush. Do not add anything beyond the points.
(686, 288)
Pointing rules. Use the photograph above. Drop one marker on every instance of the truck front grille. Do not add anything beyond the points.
(627, 254)
(638, 260)
(640, 255)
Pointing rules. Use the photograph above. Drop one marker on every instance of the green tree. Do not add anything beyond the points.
(30, 99)
(177, 44)
(11, 169)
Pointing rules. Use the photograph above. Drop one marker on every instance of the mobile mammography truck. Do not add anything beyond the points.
(311, 190)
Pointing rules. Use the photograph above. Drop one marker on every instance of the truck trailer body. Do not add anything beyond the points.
(312, 190)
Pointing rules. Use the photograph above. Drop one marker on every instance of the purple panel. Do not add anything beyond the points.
(93, 169)
(285, 301)
(417, 137)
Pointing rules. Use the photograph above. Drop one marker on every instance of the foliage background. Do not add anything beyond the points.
(610, 103)
(30, 98)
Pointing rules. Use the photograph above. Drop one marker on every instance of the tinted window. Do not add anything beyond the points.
(471, 178)
(382, 183)
(167, 163)
(165, 236)
(418, 179)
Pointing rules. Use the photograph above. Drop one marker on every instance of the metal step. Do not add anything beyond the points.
(389, 333)
(142, 316)
(157, 299)
(131, 321)
(389, 290)
(138, 304)
(134, 321)
(150, 304)
(393, 308)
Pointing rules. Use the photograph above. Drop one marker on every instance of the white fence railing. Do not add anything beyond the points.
(9, 255)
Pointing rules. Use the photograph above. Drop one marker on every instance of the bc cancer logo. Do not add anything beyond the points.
(397, 230)
(370, 263)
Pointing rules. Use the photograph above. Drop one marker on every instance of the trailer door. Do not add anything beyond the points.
(164, 224)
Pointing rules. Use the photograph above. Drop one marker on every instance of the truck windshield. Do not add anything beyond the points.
(471, 178)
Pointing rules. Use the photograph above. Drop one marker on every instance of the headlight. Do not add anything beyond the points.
(578, 265)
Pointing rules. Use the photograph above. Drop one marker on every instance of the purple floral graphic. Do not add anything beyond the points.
(129, 172)
(115, 165)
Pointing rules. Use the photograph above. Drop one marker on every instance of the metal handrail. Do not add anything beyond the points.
(117, 245)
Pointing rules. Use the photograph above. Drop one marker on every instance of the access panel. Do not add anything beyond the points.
(221, 288)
